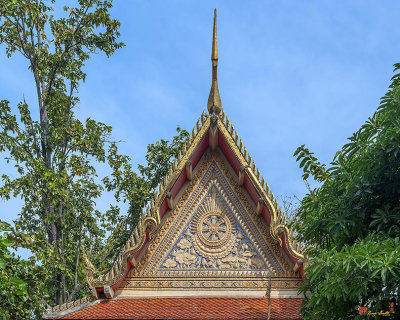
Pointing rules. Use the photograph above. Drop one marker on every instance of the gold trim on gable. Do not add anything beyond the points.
(151, 213)
(278, 218)
(178, 220)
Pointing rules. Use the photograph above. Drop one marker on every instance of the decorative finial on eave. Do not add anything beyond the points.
(90, 268)
(214, 100)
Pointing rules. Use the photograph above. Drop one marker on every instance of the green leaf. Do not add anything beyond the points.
(2, 263)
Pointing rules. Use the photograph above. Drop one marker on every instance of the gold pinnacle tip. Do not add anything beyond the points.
(214, 53)
(214, 100)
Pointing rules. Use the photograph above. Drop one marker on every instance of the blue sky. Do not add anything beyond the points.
(290, 72)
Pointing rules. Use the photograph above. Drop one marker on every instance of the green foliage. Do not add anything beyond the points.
(57, 154)
(310, 164)
(160, 156)
(354, 216)
(138, 188)
(18, 298)
(366, 273)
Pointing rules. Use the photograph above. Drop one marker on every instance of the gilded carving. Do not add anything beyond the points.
(182, 254)
(212, 284)
(184, 258)
(278, 218)
(152, 213)
(170, 263)
(251, 261)
(211, 241)
(213, 229)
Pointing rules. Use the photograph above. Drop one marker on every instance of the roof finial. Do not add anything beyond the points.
(214, 100)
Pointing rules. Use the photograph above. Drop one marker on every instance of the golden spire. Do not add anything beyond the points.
(214, 100)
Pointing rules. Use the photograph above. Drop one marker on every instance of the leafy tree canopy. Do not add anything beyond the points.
(56, 154)
(351, 223)
(17, 280)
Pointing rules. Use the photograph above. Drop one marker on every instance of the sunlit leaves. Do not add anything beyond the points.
(310, 164)
(138, 188)
(55, 156)
(352, 221)
(366, 273)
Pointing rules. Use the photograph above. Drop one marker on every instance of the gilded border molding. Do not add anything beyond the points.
(147, 273)
(151, 214)
(278, 218)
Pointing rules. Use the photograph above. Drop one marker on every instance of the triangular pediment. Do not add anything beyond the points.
(171, 249)
(212, 239)
(212, 232)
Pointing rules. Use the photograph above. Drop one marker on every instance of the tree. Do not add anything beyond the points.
(135, 188)
(56, 155)
(290, 206)
(17, 281)
(351, 223)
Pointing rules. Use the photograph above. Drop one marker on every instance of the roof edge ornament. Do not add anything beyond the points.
(90, 268)
(214, 104)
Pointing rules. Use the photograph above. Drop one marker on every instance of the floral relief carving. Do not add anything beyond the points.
(170, 263)
(184, 244)
(232, 258)
(210, 242)
(185, 259)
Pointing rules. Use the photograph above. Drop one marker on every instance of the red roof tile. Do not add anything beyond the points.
(191, 308)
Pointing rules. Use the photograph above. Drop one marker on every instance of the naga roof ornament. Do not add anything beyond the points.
(214, 100)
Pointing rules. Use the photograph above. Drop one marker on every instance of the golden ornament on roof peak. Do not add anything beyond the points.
(214, 100)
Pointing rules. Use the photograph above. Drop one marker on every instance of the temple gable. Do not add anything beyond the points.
(212, 240)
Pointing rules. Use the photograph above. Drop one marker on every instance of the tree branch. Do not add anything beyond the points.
(118, 245)
(66, 49)
(75, 291)
(77, 262)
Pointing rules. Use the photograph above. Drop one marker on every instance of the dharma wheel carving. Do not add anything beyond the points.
(213, 230)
